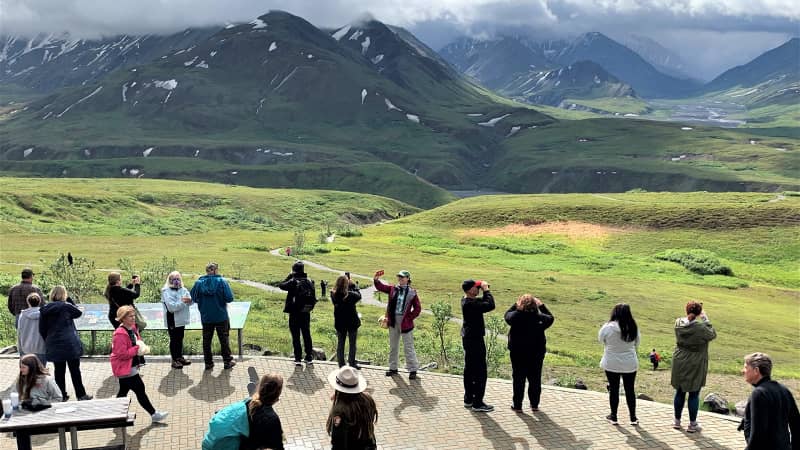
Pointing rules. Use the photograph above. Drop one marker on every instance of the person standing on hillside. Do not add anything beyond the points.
(120, 296)
(527, 318)
(771, 411)
(301, 296)
(212, 293)
(655, 358)
(401, 310)
(473, 331)
(690, 362)
(344, 297)
(19, 293)
(620, 339)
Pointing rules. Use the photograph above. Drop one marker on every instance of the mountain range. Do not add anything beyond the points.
(366, 107)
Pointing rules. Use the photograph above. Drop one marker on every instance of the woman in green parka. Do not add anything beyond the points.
(690, 362)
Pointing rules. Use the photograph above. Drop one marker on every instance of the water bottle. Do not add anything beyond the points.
(14, 401)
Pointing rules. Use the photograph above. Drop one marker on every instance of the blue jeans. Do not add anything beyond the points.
(694, 404)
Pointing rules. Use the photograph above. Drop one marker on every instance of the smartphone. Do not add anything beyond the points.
(380, 273)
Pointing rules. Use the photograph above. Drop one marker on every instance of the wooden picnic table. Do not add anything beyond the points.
(72, 416)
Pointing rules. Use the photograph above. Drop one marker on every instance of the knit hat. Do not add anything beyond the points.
(298, 267)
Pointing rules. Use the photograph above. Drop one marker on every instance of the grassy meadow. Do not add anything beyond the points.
(580, 253)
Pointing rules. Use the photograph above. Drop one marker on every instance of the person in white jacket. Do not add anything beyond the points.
(28, 338)
(176, 300)
(620, 337)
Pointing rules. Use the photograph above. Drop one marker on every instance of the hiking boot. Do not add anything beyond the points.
(177, 364)
(85, 397)
(612, 419)
(391, 372)
(229, 365)
(209, 366)
(535, 408)
(159, 416)
(482, 408)
(184, 361)
(412, 375)
(693, 427)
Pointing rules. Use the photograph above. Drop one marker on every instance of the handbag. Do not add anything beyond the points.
(383, 321)
(141, 323)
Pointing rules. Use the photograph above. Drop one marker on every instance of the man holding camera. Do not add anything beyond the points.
(473, 331)
(212, 293)
(300, 300)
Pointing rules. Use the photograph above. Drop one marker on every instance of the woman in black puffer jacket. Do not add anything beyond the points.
(344, 296)
(62, 344)
(528, 318)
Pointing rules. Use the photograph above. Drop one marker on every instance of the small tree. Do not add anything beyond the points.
(299, 239)
(77, 276)
(153, 275)
(442, 313)
(495, 326)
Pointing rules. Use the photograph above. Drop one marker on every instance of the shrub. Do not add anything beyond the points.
(698, 261)
(152, 274)
(349, 230)
(442, 313)
(77, 277)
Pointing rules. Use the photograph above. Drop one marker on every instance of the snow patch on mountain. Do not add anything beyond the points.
(168, 84)
(377, 59)
(341, 32)
(147, 152)
(365, 45)
(493, 122)
(363, 95)
(124, 90)
(273, 46)
(190, 62)
(99, 88)
(258, 24)
(27, 152)
(390, 106)
(413, 117)
(356, 34)
(202, 64)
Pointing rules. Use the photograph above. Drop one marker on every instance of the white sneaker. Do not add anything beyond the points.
(694, 427)
(159, 416)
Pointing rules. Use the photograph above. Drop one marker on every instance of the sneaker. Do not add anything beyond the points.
(516, 408)
(298, 363)
(412, 375)
(229, 365)
(356, 366)
(635, 422)
(482, 408)
(391, 372)
(65, 397)
(612, 419)
(209, 366)
(309, 362)
(176, 364)
(676, 424)
(693, 427)
(85, 397)
(159, 416)
(467, 405)
(184, 361)
(535, 408)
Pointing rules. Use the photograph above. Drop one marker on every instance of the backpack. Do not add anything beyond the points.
(227, 427)
(305, 295)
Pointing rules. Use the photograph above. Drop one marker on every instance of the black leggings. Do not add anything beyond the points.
(136, 385)
(628, 380)
(74, 373)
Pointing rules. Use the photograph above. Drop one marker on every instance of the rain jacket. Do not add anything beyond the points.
(690, 359)
(227, 427)
(212, 294)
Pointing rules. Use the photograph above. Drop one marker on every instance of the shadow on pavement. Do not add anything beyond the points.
(212, 387)
(411, 393)
(499, 437)
(543, 428)
(639, 438)
(108, 389)
(305, 380)
(174, 382)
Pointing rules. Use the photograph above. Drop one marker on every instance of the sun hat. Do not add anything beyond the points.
(347, 379)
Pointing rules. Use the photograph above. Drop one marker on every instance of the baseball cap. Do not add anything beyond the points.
(468, 284)
(404, 274)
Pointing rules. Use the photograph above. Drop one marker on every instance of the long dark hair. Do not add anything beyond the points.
(267, 393)
(623, 316)
(27, 382)
(113, 279)
(358, 410)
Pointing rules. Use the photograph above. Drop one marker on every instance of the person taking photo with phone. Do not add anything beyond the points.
(401, 310)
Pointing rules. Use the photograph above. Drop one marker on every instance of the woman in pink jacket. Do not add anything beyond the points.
(127, 349)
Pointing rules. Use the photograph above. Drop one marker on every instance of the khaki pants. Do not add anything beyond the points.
(408, 346)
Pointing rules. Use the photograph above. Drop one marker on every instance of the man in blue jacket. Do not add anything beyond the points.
(212, 293)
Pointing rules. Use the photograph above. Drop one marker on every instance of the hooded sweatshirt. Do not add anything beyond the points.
(212, 294)
(30, 341)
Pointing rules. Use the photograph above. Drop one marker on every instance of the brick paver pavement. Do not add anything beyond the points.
(426, 413)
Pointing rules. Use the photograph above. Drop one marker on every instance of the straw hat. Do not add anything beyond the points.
(347, 379)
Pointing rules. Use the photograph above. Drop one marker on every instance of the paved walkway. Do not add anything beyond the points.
(423, 414)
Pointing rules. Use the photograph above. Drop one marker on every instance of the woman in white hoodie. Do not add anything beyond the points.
(176, 300)
(620, 336)
(28, 338)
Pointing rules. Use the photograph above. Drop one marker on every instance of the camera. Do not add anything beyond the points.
(347, 274)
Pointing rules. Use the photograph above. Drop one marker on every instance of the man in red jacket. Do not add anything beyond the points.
(402, 309)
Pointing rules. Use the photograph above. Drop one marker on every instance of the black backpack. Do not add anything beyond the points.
(305, 295)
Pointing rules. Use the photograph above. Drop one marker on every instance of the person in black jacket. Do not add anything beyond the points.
(119, 296)
(771, 411)
(472, 332)
(265, 425)
(528, 318)
(299, 311)
(61, 342)
(344, 296)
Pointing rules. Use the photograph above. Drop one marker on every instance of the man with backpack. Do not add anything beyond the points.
(301, 297)
(655, 358)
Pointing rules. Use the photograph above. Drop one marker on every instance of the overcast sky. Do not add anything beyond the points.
(710, 35)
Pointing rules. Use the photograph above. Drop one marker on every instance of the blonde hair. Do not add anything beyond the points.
(124, 311)
(58, 294)
(173, 274)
